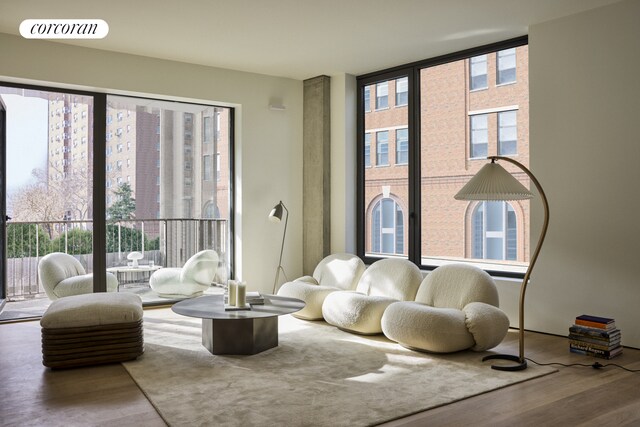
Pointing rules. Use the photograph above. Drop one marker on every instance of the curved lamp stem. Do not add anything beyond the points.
(522, 363)
(280, 268)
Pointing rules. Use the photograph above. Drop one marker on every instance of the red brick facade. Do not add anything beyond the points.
(446, 107)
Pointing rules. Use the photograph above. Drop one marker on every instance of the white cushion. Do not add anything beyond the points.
(393, 278)
(487, 324)
(92, 310)
(384, 282)
(77, 285)
(419, 326)
(340, 271)
(335, 272)
(355, 312)
(312, 295)
(200, 268)
(189, 281)
(456, 285)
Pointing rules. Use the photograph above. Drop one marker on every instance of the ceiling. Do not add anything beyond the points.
(297, 38)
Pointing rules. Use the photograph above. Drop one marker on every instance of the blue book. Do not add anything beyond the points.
(596, 319)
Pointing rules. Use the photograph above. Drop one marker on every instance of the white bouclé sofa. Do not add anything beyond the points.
(335, 272)
(455, 308)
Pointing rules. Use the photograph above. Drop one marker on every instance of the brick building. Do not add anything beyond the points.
(469, 109)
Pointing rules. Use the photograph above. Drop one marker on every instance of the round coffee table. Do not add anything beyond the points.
(242, 331)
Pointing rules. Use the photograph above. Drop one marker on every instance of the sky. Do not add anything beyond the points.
(27, 123)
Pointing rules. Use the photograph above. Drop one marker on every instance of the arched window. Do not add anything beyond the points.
(210, 211)
(387, 227)
(494, 231)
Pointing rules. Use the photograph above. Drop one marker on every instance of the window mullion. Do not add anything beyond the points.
(99, 187)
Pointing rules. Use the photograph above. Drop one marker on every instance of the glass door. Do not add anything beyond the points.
(47, 190)
(3, 207)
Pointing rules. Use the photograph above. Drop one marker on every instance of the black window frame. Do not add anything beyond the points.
(99, 120)
(412, 71)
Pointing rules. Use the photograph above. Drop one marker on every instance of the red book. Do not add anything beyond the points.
(595, 322)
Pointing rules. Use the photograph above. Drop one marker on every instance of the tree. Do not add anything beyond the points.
(77, 240)
(124, 206)
(50, 200)
(128, 239)
(22, 238)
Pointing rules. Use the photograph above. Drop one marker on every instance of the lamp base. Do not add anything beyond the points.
(522, 364)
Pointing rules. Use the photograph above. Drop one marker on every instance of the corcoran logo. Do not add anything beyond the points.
(64, 29)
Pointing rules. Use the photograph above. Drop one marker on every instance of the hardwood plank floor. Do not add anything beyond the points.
(32, 395)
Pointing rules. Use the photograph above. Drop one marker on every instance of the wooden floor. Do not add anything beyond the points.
(32, 395)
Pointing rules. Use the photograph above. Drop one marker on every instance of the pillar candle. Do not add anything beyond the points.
(232, 288)
(241, 294)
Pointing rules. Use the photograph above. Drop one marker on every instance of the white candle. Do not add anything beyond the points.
(241, 294)
(232, 288)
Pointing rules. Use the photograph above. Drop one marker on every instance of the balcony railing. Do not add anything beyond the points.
(166, 242)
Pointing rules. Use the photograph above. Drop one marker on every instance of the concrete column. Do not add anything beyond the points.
(316, 184)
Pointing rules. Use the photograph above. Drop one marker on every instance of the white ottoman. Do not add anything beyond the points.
(92, 329)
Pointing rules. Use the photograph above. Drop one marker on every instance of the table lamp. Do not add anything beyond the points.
(493, 182)
(276, 216)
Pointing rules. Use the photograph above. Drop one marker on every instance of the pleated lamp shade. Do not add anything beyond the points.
(493, 182)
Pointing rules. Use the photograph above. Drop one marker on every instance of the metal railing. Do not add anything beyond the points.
(166, 242)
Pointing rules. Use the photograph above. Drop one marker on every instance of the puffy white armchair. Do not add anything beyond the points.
(62, 275)
(456, 308)
(189, 281)
(334, 273)
(383, 283)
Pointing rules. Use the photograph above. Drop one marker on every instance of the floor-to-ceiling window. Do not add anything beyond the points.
(168, 185)
(423, 131)
(155, 177)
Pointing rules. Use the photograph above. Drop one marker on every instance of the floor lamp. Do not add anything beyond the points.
(276, 216)
(493, 182)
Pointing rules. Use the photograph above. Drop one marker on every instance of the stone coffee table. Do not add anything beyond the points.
(238, 332)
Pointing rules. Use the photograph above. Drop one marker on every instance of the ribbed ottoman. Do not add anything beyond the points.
(92, 329)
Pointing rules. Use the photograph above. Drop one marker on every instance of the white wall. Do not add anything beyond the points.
(268, 143)
(584, 73)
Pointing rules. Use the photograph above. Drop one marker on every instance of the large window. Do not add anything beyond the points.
(450, 129)
(494, 231)
(387, 230)
(101, 176)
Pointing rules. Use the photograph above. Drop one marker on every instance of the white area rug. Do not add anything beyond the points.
(317, 376)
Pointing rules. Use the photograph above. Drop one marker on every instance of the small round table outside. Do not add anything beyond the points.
(125, 274)
(239, 331)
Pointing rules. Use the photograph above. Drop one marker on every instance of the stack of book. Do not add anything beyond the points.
(595, 336)
(255, 298)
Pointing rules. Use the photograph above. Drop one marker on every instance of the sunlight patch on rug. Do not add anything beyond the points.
(317, 376)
